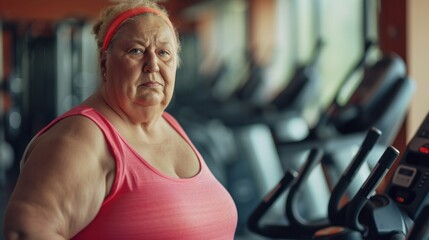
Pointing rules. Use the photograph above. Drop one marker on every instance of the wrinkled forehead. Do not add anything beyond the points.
(146, 26)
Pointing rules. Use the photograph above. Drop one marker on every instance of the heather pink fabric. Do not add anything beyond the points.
(146, 204)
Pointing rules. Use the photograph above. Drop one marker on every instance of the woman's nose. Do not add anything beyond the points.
(150, 62)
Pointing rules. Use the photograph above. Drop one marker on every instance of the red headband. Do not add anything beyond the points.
(116, 23)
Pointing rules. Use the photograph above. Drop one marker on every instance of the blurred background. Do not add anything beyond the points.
(238, 59)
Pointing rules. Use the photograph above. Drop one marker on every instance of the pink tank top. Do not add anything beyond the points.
(144, 203)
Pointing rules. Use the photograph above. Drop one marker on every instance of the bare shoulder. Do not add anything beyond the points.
(73, 127)
(63, 181)
(75, 134)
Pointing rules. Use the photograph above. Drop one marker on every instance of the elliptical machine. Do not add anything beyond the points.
(400, 212)
(379, 100)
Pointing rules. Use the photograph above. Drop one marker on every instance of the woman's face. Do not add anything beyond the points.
(141, 65)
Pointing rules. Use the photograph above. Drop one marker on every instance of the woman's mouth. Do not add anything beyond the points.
(151, 84)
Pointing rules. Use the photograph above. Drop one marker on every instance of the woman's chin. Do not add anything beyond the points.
(150, 102)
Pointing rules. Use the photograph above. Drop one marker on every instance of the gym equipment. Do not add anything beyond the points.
(238, 111)
(241, 106)
(7, 153)
(379, 100)
(409, 187)
(295, 220)
(59, 72)
(50, 67)
(420, 229)
(347, 216)
(291, 205)
(235, 136)
(400, 212)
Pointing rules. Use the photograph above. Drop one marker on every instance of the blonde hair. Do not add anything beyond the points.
(108, 14)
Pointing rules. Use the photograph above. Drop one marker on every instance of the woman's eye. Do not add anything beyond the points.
(164, 53)
(136, 51)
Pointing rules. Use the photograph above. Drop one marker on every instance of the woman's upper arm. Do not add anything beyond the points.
(63, 183)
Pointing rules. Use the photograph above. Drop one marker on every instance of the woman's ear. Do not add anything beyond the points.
(103, 63)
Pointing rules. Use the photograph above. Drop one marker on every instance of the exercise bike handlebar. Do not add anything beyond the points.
(364, 193)
(299, 230)
(271, 230)
(347, 177)
(291, 208)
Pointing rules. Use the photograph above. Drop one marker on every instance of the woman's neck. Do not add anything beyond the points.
(144, 121)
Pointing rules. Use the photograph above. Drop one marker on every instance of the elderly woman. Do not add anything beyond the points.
(118, 166)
